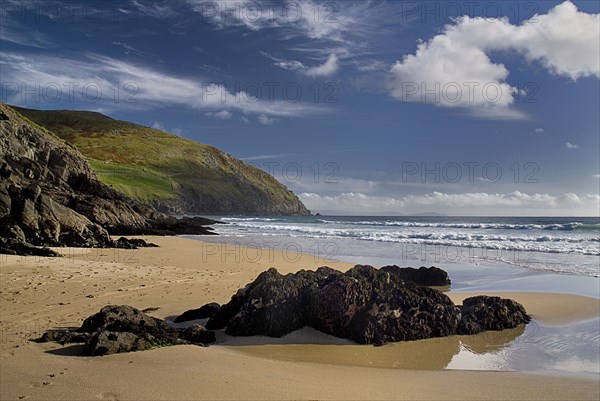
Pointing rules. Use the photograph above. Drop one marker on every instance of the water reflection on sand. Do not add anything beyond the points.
(534, 347)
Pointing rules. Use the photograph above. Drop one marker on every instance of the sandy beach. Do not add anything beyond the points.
(42, 293)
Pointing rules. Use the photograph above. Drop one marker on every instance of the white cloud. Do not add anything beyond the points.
(596, 176)
(296, 17)
(373, 65)
(245, 120)
(570, 145)
(265, 120)
(292, 65)
(539, 130)
(222, 115)
(326, 69)
(329, 67)
(453, 69)
(516, 203)
(155, 10)
(95, 77)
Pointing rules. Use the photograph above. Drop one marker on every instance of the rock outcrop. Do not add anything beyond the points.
(117, 329)
(367, 305)
(49, 196)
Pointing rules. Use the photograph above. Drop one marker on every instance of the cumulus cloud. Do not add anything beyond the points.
(570, 145)
(454, 69)
(480, 203)
(222, 115)
(111, 83)
(539, 130)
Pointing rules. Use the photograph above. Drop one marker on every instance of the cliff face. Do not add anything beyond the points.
(50, 196)
(173, 174)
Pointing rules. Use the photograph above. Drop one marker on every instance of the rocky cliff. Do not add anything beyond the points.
(173, 174)
(50, 196)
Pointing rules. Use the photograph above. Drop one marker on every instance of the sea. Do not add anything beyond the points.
(564, 245)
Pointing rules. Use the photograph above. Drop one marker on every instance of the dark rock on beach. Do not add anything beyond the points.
(364, 304)
(367, 305)
(64, 337)
(482, 313)
(10, 246)
(126, 318)
(430, 276)
(271, 305)
(133, 243)
(197, 334)
(399, 311)
(204, 312)
(116, 329)
(109, 342)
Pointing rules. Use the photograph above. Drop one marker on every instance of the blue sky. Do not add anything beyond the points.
(380, 107)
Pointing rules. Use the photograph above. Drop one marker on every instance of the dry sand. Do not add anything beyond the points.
(41, 293)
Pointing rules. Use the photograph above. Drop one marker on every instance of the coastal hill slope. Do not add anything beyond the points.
(50, 196)
(173, 174)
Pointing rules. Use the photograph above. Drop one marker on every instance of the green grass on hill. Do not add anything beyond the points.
(141, 183)
(149, 164)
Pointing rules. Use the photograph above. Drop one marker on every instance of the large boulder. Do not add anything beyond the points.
(367, 305)
(125, 318)
(482, 313)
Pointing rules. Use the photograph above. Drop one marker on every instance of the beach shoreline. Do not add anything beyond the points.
(42, 293)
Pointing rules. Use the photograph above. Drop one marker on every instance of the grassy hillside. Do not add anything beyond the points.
(171, 172)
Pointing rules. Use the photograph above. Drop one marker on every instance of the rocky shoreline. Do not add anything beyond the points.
(364, 304)
(50, 197)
